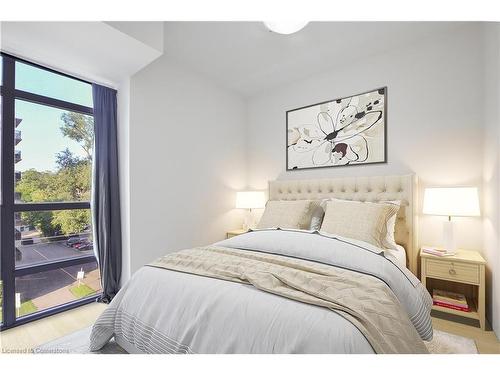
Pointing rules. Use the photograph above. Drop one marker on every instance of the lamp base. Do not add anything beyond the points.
(449, 241)
(249, 221)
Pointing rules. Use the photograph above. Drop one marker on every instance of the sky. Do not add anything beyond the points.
(41, 137)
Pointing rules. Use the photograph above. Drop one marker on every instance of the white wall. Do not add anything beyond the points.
(123, 98)
(434, 119)
(187, 159)
(491, 172)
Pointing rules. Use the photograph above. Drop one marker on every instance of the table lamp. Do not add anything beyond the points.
(451, 201)
(249, 200)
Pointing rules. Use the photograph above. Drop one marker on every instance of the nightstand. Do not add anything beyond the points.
(462, 273)
(236, 232)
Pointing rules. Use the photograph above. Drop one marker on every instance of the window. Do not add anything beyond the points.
(47, 257)
(43, 290)
(46, 236)
(32, 79)
(59, 168)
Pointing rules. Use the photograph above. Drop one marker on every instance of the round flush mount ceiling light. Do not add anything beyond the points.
(285, 27)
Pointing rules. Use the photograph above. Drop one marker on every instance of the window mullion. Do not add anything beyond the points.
(51, 102)
(50, 206)
(7, 198)
(49, 266)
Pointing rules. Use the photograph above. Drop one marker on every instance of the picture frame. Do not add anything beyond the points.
(346, 131)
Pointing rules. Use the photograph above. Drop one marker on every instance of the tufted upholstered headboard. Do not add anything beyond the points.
(371, 189)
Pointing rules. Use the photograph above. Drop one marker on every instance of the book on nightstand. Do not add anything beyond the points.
(451, 300)
(434, 251)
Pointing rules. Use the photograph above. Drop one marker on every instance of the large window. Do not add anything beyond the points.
(47, 257)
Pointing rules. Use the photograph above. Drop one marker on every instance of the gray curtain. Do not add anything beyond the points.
(105, 191)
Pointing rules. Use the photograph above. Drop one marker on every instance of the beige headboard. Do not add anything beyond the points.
(371, 189)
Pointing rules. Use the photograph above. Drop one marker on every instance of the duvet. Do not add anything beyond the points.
(270, 291)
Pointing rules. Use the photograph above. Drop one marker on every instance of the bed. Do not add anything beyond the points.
(282, 290)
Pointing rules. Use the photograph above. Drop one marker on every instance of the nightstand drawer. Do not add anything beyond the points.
(461, 272)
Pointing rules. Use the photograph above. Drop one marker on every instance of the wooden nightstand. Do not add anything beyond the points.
(236, 232)
(463, 273)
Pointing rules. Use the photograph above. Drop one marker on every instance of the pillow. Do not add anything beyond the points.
(364, 221)
(317, 214)
(286, 214)
(390, 241)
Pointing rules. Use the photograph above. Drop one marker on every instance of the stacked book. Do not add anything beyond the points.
(455, 301)
(434, 251)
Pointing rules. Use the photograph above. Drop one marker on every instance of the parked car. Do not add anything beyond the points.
(72, 241)
(84, 246)
(27, 241)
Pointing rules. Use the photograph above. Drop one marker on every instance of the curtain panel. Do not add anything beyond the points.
(106, 191)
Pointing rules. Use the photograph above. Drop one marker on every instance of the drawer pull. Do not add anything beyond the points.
(452, 271)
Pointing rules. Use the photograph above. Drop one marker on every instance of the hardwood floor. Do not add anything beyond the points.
(29, 336)
(486, 341)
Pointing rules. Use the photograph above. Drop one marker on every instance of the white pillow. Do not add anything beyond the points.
(364, 221)
(389, 241)
(286, 215)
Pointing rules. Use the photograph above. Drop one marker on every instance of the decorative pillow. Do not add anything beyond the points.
(364, 221)
(286, 214)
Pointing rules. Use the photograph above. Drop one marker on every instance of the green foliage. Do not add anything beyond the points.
(66, 185)
(41, 220)
(66, 159)
(74, 221)
(26, 308)
(37, 186)
(80, 291)
(80, 128)
(70, 182)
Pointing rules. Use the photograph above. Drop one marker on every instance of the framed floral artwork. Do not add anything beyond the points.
(344, 131)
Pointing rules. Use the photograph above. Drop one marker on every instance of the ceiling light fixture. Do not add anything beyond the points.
(286, 27)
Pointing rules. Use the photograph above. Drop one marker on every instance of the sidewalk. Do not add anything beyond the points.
(63, 295)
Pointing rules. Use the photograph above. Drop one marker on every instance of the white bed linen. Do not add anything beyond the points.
(399, 254)
(163, 311)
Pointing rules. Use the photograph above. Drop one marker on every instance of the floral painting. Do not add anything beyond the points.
(339, 132)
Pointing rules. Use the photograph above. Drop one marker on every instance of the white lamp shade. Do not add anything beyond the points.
(455, 201)
(286, 27)
(250, 199)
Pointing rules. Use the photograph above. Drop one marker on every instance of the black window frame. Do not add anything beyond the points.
(8, 206)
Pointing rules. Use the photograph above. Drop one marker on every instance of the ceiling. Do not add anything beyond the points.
(96, 51)
(247, 58)
(242, 56)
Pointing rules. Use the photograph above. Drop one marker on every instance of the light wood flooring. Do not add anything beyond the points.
(486, 341)
(31, 335)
